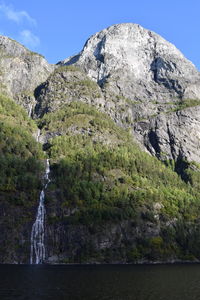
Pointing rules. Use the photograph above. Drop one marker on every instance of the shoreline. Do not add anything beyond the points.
(146, 263)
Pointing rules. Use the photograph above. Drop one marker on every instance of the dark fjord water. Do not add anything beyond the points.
(111, 282)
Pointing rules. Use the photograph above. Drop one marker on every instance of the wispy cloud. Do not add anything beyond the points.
(22, 25)
(29, 39)
(17, 16)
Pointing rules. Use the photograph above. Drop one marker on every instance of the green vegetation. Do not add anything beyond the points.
(13, 114)
(66, 85)
(180, 104)
(99, 177)
(65, 68)
(21, 170)
(32, 53)
(103, 182)
(169, 107)
(189, 171)
(19, 154)
(76, 116)
(116, 183)
(185, 103)
(114, 180)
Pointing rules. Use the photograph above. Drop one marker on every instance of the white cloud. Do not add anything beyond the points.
(17, 16)
(29, 39)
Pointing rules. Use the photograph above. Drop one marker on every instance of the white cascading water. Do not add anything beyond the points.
(37, 233)
(38, 136)
(30, 110)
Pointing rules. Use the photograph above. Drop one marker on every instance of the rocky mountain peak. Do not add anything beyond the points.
(21, 71)
(11, 47)
(106, 201)
(138, 64)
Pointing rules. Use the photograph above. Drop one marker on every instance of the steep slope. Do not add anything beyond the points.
(174, 135)
(21, 72)
(20, 173)
(66, 84)
(107, 201)
(110, 202)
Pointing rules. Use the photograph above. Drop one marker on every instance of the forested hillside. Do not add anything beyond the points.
(118, 125)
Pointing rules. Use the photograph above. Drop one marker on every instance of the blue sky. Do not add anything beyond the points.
(59, 28)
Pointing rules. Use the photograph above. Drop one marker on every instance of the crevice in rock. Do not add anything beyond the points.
(181, 165)
(171, 142)
(37, 108)
(154, 141)
(157, 67)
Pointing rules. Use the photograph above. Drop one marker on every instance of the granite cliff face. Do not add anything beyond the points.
(138, 64)
(21, 72)
(172, 136)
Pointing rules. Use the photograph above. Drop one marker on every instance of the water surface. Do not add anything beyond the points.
(100, 282)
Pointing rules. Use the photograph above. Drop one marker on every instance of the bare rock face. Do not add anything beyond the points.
(138, 64)
(21, 71)
(172, 136)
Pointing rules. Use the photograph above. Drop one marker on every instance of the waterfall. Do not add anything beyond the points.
(38, 135)
(37, 255)
(30, 110)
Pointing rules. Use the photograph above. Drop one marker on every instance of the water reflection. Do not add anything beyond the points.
(124, 282)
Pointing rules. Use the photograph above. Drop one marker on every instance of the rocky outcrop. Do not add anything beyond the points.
(123, 241)
(21, 72)
(66, 84)
(136, 63)
(148, 238)
(172, 136)
(106, 243)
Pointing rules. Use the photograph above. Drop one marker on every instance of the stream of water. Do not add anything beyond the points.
(30, 110)
(37, 255)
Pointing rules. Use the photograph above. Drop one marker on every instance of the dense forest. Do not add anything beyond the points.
(99, 175)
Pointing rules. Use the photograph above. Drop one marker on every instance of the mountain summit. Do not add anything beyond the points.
(138, 64)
